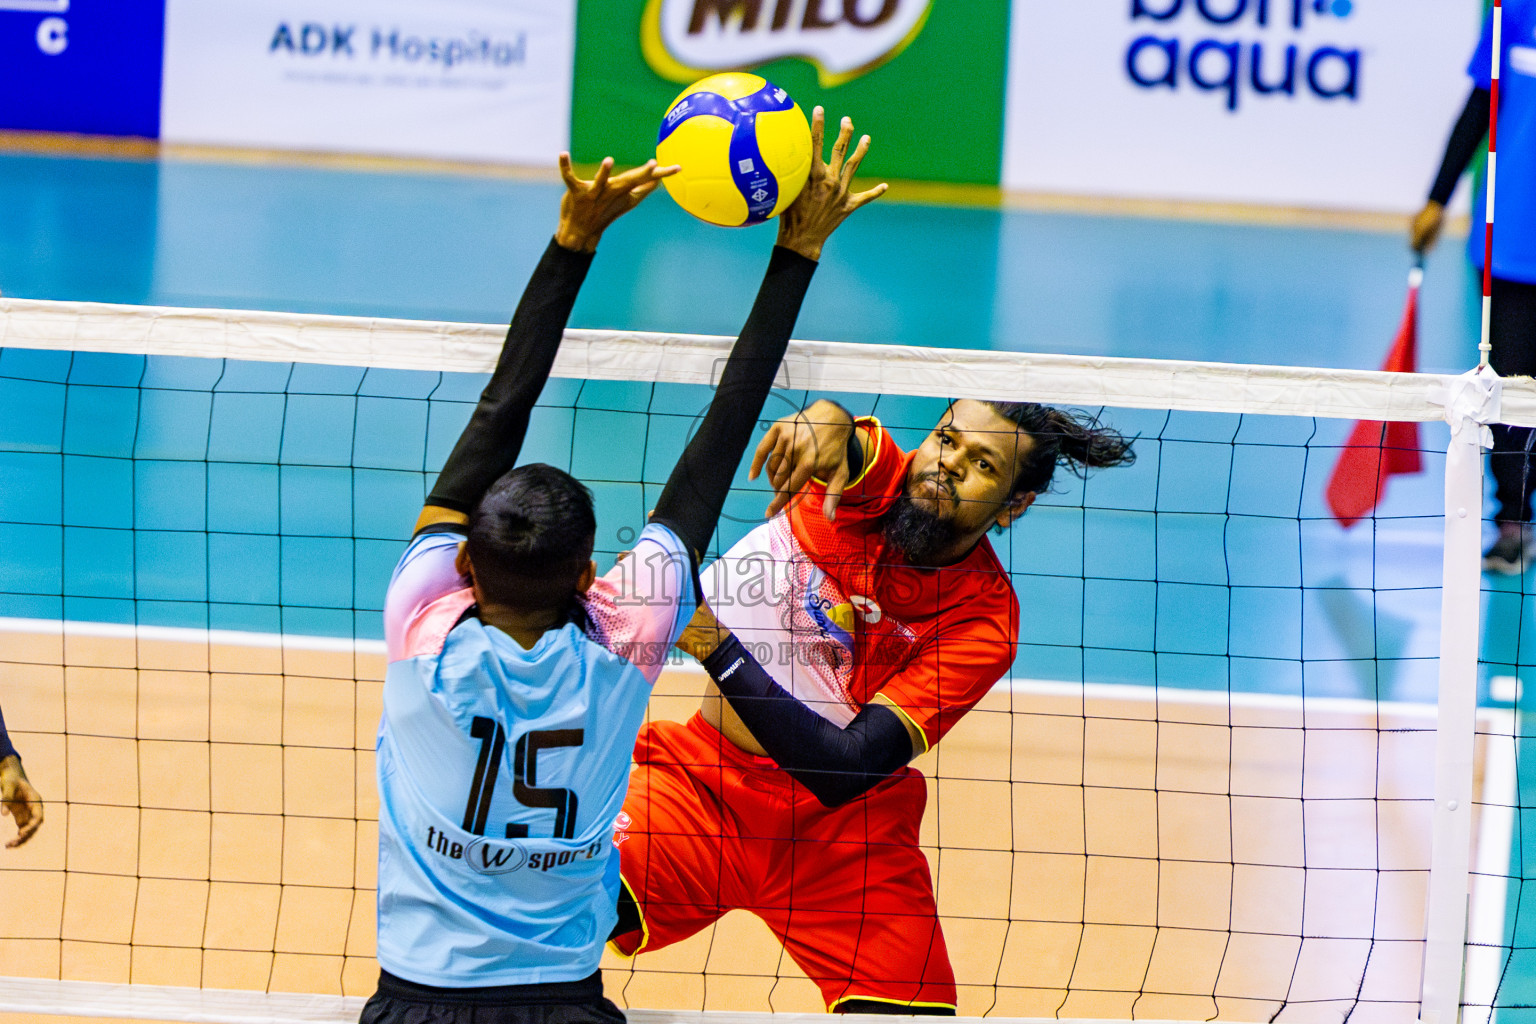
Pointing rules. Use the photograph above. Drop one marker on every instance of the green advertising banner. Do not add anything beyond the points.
(925, 78)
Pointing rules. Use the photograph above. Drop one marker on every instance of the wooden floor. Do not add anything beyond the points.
(211, 822)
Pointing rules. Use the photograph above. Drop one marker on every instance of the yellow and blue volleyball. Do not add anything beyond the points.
(743, 145)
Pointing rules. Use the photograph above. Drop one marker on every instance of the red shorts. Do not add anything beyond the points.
(711, 828)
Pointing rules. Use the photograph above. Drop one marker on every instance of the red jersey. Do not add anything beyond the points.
(836, 616)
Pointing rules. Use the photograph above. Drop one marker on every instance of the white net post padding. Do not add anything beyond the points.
(1466, 402)
(1471, 401)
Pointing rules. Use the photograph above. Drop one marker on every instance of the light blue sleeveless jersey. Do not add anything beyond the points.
(501, 770)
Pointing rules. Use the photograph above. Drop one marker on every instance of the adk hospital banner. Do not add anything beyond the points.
(485, 80)
(1317, 103)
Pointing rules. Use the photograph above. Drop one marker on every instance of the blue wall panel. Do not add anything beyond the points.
(89, 66)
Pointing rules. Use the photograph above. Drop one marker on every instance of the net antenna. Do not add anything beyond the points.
(1174, 400)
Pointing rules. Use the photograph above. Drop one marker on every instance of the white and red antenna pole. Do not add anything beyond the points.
(1485, 346)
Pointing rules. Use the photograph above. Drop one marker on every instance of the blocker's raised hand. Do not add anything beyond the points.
(589, 207)
(827, 199)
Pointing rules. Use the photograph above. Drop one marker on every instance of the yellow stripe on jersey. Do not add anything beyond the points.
(832, 1007)
(879, 435)
(911, 722)
(645, 931)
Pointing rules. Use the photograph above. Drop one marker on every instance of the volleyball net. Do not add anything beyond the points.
(1247, 764)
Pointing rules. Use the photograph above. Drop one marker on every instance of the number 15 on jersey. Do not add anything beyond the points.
(525, 777)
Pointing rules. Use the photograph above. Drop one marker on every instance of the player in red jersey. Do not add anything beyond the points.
(852, 633)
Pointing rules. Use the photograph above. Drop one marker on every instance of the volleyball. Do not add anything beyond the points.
(743, 145)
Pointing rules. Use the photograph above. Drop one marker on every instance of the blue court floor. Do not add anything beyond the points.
(457, 247)
(273, 498)
(460, 248)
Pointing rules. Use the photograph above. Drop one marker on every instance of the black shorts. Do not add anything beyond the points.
(569, 1002)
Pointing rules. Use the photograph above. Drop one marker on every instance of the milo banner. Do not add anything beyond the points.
(925, 78)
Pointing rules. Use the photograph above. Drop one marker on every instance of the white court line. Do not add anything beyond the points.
(200, 637)
(1223, 698)
(1014, 684)
(35, 6)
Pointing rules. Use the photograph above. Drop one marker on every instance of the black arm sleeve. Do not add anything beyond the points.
(855, 455)
(695, 492)
(1471, 128)
(835, 764)
(6, 750)
(494, 436)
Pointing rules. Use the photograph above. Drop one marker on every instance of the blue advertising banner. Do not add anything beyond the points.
(87, 66)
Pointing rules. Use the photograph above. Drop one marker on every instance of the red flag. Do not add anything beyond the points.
(1375, 451)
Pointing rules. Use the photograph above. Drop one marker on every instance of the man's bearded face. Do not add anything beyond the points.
(960, 482)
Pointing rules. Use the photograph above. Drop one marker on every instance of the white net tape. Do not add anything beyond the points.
(696, 359)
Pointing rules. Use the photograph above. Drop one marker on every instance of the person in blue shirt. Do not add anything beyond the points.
(1513, 316)
(518, 679)
(17, 796)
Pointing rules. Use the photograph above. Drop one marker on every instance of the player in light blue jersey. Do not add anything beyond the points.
(17, 797)
(517, 679)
